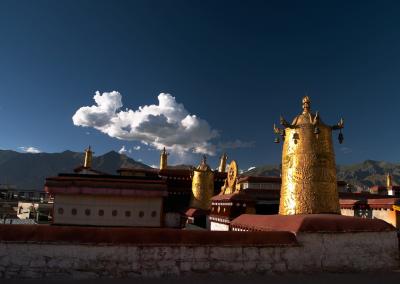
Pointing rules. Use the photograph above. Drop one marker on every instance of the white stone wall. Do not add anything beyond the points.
(347, 212)
(24, 209)
(386, 215)
(144, 212)
(317, 252)
(215, 226)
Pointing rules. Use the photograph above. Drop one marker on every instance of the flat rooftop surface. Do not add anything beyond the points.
(329, 223)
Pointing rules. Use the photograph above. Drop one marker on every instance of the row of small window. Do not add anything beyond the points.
(114, 213)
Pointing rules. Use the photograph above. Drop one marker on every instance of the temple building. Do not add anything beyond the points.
(90, 197)
(390, 189)
(101, 200)
(134, 197)
(177, 197)
(177, 204)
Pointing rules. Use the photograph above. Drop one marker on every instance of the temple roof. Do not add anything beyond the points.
(313, 223)
(259, 179)
(105, 185)
(373, 203)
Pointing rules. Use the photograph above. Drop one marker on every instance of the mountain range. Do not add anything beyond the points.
(360, 175)
(28, 171)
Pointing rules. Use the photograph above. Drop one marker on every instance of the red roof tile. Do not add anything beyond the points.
(329, 223)
(113, 185)
(232, 197)
(259, 179)
(194, 212)
(384, 203)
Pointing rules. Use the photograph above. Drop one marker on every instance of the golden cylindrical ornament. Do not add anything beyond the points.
(202, 189)
(202, 186)
(309, 183)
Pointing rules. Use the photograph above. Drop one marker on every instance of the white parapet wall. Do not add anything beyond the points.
(315, 252)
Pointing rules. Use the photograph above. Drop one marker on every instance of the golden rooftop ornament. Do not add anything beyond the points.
(164, 159)
(389, 182)
(88, 158)
(202, 186)
(308, 164)
(222, 163)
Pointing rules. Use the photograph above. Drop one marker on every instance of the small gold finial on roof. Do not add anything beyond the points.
(389, 182)
(88, 158)
(306, 104)
(203, 164)
(222, 163)
(164, 159)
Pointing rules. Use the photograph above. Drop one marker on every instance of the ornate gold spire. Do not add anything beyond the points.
(308, 164)
(306, 104)
(163, 159)
(222, 163)
(203, 164)
(389, 180)
(88, 158)
(202, 186)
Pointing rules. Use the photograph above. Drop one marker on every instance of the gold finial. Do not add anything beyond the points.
(88, 158)
(163, 159)
(222, 163)
(389, 180)
(203, 164)
(306, 104)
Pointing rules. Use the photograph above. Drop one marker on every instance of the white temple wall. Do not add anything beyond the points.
(317, 252)
(107, 210)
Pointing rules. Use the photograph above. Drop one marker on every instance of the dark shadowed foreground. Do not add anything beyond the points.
(325, 278)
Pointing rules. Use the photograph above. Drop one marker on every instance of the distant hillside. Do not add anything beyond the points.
(180, 167)
(28, 171)
(369, 173)
(266, 170)
(360, 175)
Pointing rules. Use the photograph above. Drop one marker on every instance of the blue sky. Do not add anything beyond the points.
(237, 65)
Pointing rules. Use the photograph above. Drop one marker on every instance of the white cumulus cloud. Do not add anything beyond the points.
(137, 148)
(30, 149)
(166, 124)
(123, 150)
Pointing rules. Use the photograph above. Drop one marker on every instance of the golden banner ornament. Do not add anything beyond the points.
(202, 186)
(308, 165)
